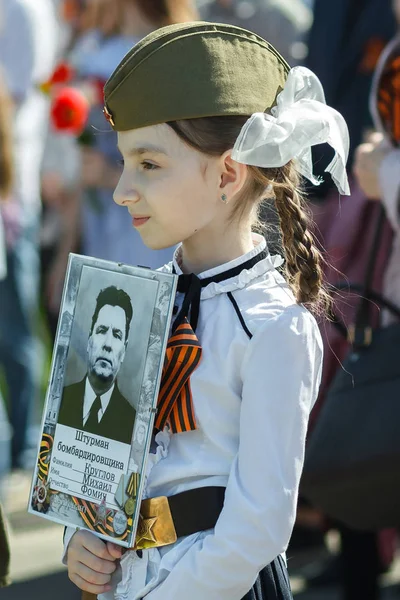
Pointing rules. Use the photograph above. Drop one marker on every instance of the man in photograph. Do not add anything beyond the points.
(95, 404)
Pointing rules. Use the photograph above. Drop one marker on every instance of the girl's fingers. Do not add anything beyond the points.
(95, 563)
(90, 576)
(89, 587)
(94, 544)
(114, 550)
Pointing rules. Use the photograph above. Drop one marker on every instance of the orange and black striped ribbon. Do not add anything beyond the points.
(133, 485)
(89, 513)
(175, 405)
(46, 445)
(389, 98)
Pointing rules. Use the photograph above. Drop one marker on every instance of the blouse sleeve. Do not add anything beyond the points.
(280, 373)
(68, 533)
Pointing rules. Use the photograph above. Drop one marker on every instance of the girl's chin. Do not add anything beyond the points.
(157, 244)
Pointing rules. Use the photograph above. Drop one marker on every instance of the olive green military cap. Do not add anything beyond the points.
(193, 70)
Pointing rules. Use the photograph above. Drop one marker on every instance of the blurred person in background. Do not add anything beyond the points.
(377, 161)
(60, 223)
(105, 30)
(6, 185)
(28, 42)
(60, 178)
(284, 23)
(6, 163)
(345, 42)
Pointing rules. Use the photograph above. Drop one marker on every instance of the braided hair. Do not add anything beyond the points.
(303, 258)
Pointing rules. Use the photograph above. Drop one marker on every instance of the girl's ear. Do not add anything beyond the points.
(233, 175)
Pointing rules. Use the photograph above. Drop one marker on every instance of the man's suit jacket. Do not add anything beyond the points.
(116, 423)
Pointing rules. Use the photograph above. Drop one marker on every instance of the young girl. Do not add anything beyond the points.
(194, 106)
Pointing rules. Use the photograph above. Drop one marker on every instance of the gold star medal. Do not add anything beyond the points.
(145, 532)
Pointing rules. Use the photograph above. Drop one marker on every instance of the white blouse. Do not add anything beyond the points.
(252, 399)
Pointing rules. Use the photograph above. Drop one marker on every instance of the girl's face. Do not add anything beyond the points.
(170, 190)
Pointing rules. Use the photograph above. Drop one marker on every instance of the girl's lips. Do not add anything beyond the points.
(138, 221)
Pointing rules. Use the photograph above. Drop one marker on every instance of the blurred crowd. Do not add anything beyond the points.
(56, 187)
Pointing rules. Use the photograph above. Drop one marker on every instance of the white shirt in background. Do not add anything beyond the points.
(28, 51)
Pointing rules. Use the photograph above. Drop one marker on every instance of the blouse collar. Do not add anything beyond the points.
(244, 276)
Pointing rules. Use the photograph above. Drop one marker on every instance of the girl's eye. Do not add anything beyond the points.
(148, 166)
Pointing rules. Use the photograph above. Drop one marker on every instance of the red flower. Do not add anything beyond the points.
(69, 111)
(63, 73)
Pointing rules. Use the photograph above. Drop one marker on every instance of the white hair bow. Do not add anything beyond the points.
(301, 119)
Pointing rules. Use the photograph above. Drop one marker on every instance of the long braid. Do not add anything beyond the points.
(303, 259)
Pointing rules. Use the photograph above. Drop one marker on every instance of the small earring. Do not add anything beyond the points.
(224, 198)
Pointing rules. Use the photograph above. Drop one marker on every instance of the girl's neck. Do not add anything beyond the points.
(202, 252)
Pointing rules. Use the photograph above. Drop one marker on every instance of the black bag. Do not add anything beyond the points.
(352, 464)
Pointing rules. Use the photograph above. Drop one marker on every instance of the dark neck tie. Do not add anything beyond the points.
(191, 286)
(183, 354)
(93, 419)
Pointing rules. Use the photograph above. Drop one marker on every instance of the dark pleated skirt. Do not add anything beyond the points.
(272, 583)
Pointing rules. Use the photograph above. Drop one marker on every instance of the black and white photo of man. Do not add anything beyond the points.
(95, 404)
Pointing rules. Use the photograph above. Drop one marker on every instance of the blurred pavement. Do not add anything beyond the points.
(36, 547)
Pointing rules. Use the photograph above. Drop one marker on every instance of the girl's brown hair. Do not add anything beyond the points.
(6, 143)
(216, 135)
(168, 12)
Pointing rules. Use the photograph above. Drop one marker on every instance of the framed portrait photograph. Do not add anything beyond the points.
(102, 397)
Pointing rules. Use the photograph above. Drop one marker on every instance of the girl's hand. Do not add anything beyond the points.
(368, 159)
(91, 562)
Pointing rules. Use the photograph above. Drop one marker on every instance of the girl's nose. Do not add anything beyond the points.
(125, 194)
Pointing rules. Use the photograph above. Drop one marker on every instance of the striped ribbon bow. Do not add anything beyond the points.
(175, 404)
(184, 351)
